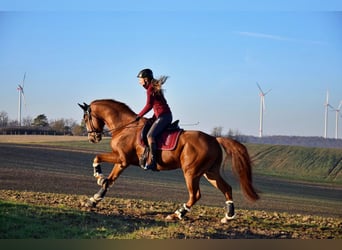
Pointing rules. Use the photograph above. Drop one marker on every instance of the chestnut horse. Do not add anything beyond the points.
(197, 154)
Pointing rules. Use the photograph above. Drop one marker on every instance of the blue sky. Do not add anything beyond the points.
(214, 56)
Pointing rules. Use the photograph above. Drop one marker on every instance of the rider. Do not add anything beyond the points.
(162, 116)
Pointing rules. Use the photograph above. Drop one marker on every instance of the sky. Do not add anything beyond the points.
(215, 54)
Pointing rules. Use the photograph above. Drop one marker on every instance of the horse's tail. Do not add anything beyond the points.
(241, 165)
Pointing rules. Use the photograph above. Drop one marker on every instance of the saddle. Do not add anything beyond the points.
(167, 140)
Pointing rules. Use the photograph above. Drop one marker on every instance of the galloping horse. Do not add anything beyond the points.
(197, 154)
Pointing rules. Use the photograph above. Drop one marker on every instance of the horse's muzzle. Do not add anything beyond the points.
(94, 137)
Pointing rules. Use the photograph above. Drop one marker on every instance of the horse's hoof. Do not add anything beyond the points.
(172, 217)
(226, 219)
(88, 204)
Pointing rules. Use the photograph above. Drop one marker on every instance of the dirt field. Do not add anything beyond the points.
(27, 169)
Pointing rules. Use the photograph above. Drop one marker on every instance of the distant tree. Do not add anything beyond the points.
(236, 135)
(12, 123)
(217, 131)
(63, 126)
(79, 129)
(27, 121)
(58, 125)
(230, 133)
(40, 121)
(3, 119)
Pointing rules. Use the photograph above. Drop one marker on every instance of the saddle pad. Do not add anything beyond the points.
(168, 139)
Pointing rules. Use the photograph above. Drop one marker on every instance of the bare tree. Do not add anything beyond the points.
(236, 135)
(27, 121)
(63, 126)
(217, 131)
(3, 119)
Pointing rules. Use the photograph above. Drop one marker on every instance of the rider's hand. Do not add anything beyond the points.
(137, 118)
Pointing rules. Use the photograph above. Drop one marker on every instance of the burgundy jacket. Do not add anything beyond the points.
(156, 102)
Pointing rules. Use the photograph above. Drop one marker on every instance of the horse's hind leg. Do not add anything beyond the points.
(194, 195)
(215, 178)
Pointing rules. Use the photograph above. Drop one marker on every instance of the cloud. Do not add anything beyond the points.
(275, 37)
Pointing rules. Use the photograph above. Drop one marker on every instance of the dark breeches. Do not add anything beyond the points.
(159, 126)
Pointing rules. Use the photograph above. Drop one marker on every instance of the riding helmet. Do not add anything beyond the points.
(145, 73)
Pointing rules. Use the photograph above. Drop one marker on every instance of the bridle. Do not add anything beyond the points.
(97, 134)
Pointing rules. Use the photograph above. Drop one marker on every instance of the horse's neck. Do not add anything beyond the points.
(114, 116)
(113, 122)
(116, 120)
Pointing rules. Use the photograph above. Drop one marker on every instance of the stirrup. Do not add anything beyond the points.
(153, 161)
(142, 163)
(152, 166)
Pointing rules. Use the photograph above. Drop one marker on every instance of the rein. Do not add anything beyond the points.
(113, 130)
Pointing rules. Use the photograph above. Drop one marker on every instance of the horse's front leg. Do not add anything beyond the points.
(101, 180)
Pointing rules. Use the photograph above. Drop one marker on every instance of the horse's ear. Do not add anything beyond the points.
(84, 106)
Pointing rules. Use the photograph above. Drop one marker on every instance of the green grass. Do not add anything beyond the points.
(57, 216)
(24, 221)
(301, 163)
(28, 221)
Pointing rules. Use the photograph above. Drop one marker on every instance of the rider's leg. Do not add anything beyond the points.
(153, 150)
(157, 128)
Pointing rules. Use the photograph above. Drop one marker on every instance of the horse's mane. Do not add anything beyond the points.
(122, 106)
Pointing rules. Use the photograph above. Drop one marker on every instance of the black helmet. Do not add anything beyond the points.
(145, 73)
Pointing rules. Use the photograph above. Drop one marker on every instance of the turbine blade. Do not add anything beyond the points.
(260, 88)
(24, 79)
(339, 106)
(267, 92)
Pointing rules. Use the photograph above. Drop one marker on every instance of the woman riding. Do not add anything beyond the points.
(162, 117)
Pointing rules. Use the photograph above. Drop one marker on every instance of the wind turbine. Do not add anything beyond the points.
(20, 88)
(262, 108)
(337, 110)
(327, 105)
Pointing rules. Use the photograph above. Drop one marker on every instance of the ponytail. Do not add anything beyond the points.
(157, 84)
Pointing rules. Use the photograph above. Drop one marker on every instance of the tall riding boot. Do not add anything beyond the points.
(143, 157)
(153, 162)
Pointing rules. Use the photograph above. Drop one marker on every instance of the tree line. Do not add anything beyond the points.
(42, 123)
(304, 141)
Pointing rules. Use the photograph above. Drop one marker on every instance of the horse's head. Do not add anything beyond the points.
(93, 123)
